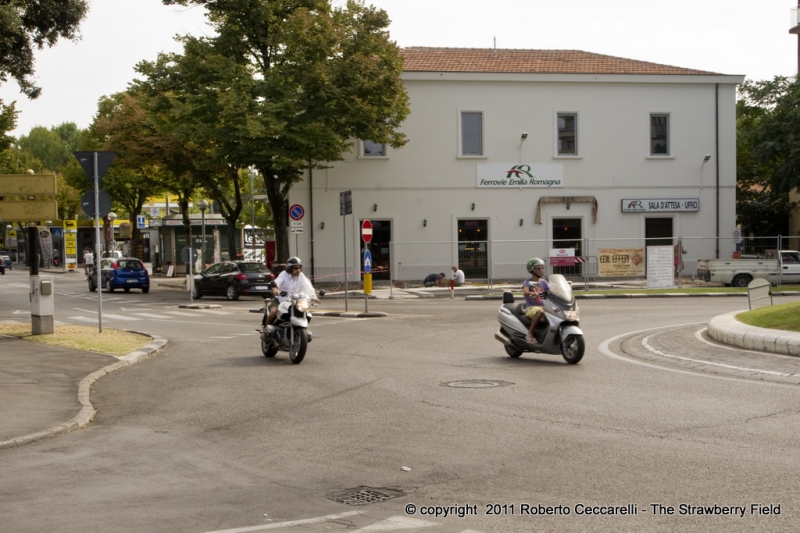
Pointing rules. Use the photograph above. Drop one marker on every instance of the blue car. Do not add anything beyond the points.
(120, 273)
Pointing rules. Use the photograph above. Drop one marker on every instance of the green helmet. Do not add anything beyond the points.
(533, 263)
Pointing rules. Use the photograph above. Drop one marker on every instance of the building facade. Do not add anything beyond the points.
(511, 146)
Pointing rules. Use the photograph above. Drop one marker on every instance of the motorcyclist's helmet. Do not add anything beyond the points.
(293, 262)
(533, 263)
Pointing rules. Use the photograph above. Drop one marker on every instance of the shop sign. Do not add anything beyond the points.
(660, 205)
(621, 262)
(509, 176)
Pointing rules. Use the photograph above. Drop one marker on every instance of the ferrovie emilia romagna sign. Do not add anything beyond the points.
(366, 231)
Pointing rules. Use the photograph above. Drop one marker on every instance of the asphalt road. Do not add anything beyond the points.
(211, 436)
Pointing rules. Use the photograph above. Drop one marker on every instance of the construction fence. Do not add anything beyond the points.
(499, 261)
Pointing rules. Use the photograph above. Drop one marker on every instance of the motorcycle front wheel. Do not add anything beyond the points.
(298, 348)
(572, 348)
(268, 348)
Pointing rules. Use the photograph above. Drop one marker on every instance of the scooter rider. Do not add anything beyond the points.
(533, 289)
(291, 280)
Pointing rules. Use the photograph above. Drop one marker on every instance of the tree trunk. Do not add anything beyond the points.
(280, 207)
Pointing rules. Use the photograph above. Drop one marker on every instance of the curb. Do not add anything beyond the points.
(727, 330)
(87, 411)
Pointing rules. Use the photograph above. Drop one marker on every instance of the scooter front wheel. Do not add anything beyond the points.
(298, 348)
(572, 348)
(512, 351)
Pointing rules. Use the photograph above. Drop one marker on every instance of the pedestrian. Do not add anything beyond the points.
(433, 280)
(677, 260)
(88, 260)
(457, 276)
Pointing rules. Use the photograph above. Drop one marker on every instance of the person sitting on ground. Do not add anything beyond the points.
(290, 281)
(433, 280)
(533, 289)
(457, 276)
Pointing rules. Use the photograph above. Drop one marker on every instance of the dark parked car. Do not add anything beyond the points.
(126, 273)
(233, 278)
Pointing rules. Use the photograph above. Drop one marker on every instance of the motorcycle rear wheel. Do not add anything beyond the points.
(572, 348)
(268, 348)
(298, 348)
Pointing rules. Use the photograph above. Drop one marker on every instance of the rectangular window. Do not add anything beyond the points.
(659, 134)
(567, 134)
(372, 149)
(471, 133)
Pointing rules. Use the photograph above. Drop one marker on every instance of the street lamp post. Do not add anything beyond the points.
(112, 216)
(203, 205)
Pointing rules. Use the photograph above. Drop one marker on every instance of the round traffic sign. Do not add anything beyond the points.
(297, 212)
(367, 262)
(366, 231)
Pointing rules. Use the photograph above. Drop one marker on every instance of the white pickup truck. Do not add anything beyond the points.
(740, 272)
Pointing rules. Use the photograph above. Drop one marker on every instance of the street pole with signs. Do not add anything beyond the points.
(345, 208)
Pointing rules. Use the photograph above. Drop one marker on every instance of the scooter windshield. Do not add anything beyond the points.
(560, 288)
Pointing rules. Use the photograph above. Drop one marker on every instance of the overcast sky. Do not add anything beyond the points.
(747, 37)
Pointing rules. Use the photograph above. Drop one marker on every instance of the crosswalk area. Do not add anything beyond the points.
(146, 314)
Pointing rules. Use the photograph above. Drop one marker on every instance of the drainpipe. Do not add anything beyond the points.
(311, 214)
(716, 133)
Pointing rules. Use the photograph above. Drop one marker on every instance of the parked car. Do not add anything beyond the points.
(5, 262)
(113, 254)
(233, 278)
(126, 274)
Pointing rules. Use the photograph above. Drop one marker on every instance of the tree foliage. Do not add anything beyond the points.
(26, 25)
(767, 154)
(286, 85)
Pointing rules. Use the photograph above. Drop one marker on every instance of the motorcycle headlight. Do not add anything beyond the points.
(571, 315)
(302, 305)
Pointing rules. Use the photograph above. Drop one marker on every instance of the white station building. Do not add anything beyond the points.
(514, 152)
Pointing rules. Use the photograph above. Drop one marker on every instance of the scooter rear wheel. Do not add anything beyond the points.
(572, 348)
(512, 351)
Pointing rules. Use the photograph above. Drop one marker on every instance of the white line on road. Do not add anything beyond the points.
(152, 315)
(605, 350)
(292, 523)
(211, 312)
(397, 522)
(701, 361)
(180, 313)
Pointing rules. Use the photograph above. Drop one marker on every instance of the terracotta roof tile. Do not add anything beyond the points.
(420, 59)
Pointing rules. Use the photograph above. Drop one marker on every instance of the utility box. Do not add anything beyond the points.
(42, 305)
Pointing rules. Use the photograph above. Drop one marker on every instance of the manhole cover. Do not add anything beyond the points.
(475, 383)
(364, 495)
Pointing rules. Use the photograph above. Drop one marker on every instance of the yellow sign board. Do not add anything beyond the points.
(29, 211)
(621, 262)
(27, 185)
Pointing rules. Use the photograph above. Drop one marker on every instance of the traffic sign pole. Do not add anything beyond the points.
(97, 245)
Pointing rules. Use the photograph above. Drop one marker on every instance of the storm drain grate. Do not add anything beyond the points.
(364, 495)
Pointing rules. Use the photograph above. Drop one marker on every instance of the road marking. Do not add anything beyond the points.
(211, 312)
(605, 350)
(120, 317)
(219, 338)
(180, 313)
(712, 363)
(83, 319)
(397, 522)
(151, 315)
(291, 523)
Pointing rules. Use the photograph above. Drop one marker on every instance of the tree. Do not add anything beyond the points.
(765, 113)
(29, 24)
(296, 81)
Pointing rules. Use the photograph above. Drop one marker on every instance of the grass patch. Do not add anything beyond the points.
(111, 341)
(785, 317)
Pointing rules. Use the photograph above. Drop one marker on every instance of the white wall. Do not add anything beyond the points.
(426, 180)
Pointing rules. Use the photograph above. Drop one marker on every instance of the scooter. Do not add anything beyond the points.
(289, 332)
(557, 332)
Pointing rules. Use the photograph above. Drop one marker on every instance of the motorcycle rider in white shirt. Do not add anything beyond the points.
(290, 281)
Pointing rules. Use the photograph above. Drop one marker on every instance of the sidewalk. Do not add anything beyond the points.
(44, 390)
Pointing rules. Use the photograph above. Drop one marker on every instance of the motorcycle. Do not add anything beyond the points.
(557, 332)
(289, 332)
